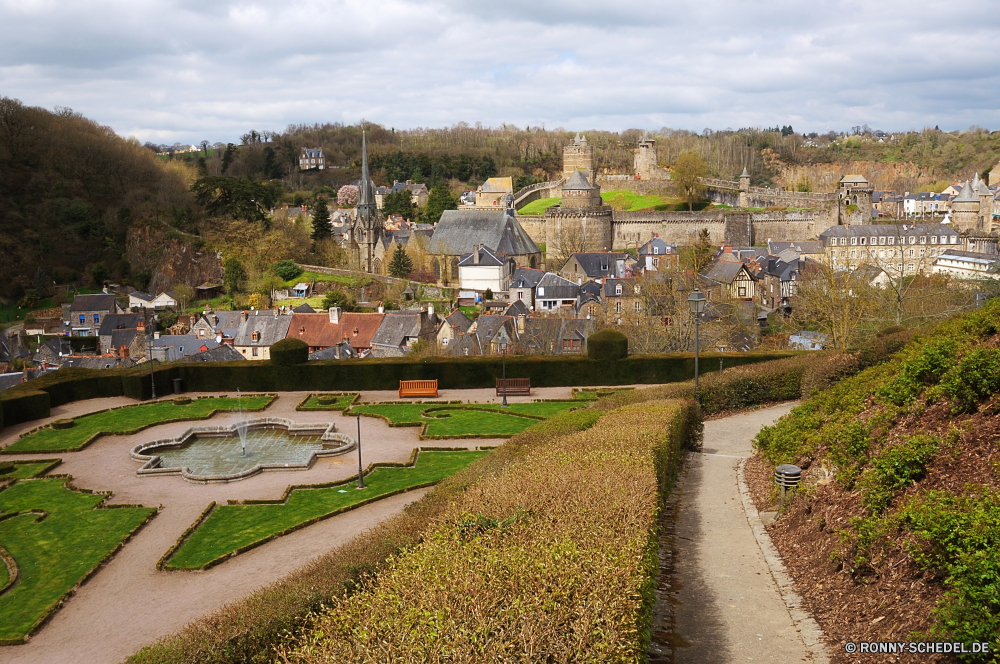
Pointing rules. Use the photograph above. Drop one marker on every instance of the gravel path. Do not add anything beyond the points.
(729, 608)
(128, 603)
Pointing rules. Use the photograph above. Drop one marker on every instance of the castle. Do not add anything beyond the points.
(583, 223)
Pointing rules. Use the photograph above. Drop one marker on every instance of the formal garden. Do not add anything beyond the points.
(442, 419)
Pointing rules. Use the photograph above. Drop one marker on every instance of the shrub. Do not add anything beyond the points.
(895, 468)
(974, 378)
(6, 467)
(182, 401)
(608, 344)
(64, 424)
(288, 352)
(286, 269)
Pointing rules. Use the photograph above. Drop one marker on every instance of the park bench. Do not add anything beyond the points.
(418, 388)
(515, 387)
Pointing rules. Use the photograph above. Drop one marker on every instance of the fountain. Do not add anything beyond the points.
(241, 423)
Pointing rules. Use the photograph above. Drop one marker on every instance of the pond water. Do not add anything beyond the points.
(212, 455)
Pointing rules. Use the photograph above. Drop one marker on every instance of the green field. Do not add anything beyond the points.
(344, 401)
(538, 207)
(26, 469)
(464, 420)
(309, 277)
(231, 528)
(628, 200)
(56, 538)
(127, 421)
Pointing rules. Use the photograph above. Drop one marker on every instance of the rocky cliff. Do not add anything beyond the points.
(172, 258)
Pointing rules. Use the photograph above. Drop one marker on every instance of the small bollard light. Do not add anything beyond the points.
(787, 477)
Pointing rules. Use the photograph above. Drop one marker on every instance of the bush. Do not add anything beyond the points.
(339, 298)
(895, 468)
(974, 378)
(609, 344)
(182, 401)
(64, 424)
(6, 467)
(288, 352)
(286, 269)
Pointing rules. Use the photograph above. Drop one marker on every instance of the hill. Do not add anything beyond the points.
(896, 531)
(70, 189)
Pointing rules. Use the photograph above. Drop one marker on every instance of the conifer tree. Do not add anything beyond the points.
(401, 264)
(321, 220)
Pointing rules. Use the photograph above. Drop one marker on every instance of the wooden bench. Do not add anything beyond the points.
(516, 387)
(418, 388)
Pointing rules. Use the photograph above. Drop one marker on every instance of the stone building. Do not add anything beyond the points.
(367, 229)
(965, 210)
(578, 156)
(312, 159)
(896, 248)
(855, 200)
(645, 162)
(581, 222)
(495, 193)
(459, 231)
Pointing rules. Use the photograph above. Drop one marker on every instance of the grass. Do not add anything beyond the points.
(127, 421)
(27, 469)
(309, 276)
(343, 402)
(538, 207)
(233, 528)
(10, 313)
(466, 420)
(57, 537)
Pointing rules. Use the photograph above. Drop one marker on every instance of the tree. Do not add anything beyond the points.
(399, 203)
(401, 264)
(488, 295)
(321, 220)
(235, 197)
(347, 195)
(697, 256)
(234, 276)
(686, 176)
(287, 269)
(227, 157)
(339, 298)
(183, 294)
(439, 200)
(837, 301)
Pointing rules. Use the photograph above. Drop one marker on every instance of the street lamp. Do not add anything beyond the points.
(361, 476)
(696, 302)
(503, 351)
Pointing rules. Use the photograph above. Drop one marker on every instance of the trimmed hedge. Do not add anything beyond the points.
(33, 400)
(289, 351)
(609, 344)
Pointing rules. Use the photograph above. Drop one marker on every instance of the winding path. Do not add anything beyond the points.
(730, 598)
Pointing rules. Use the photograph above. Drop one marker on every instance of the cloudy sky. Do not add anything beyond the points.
(187, 70)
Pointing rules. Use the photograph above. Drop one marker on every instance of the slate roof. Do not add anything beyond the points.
(487, 327)
(723, 272)
(460, 230)
(969, 256)
(798, 246)
(598, 264)
(517, 308)
(97, 362)
(966, 195)
(901, 230)
(98, 302)
(464, 345)
(554, 287)
(459, 321)
(142, 296)
(486, 258)
(591, 288)
(117, 322)
(341, 351)
(272, 329)
(853, 179)
(221, 353)
(303, 308)
(744, 174)
(179, 346)
(396, 327)
(577, 181)
(525, 277)
(498, 185)
(611, 287)
(120, 338)
(662, 248)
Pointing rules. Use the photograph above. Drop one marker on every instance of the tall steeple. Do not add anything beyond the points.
(368, 224)
(365, 194)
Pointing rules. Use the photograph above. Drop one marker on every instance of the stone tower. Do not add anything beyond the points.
(578, 155)
(855, 200)
(965, 210)
(368, 226)
(744, 188)
(985, 205)
(645, 157)
(581, 222)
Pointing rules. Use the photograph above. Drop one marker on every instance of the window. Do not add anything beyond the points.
(881, 239)
(934, 239)
(923, 239)
(638, 307)
(255, 351)
(891, 240)
(854, 240)
(541, 291)
(618, 289)
(97, 319)
(862, 240)
(873, 240)
(854, 253)
(743, 291)
(618, 307)
(656, 263)
(83, 318)
(911, 254)
(656, 250)
(913, 239)
(255, 337)
(922, 252)
(843, 241)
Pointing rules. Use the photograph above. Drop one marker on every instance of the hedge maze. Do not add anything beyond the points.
(228, 530)
(52, 538)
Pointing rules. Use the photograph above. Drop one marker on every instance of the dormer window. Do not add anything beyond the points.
(618, 289)
(656, 250)
(255, 337)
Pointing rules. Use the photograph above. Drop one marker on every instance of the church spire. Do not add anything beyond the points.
(365, 194)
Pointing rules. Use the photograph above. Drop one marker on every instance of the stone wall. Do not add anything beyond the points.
(534, 226)
(631, 229)
(641, 187)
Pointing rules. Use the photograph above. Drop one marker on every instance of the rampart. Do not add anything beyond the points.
(629, 183)
(536, 191)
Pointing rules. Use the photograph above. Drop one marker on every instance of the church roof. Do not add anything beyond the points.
(498, 185)
(744, 174)
(853, 179)
(577, 181)
(966, 195)
(459, 230)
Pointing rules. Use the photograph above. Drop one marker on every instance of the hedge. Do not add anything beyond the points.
(289, 351)
(609, 344)
(33, 400)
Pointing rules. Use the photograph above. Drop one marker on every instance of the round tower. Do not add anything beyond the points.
(645, 157)
(578, 155)
(965, 210)
(985, 205)
(581, 222)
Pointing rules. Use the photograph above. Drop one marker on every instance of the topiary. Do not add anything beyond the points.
(289, 351)
(607, 344)
(181, 401)
(63, 424)
(6, 467)
(327, 399)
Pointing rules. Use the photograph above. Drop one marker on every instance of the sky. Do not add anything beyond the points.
(187, 70)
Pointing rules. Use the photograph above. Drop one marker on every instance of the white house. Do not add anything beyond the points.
(140, 300)
(803, 340)
(483, 269)
(966, 264)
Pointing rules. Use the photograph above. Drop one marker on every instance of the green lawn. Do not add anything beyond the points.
(27, 469)
(628, 200)
(231, 528)
(593, 394)
(344, 401)
(464, 420)
(55, 552)
(538, 207)
(309, 277)
(126, 421)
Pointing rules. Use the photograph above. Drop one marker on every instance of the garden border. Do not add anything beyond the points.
(448, 406)
(303, 407)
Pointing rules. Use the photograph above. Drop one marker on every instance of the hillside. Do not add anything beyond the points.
(70, 190)
(896, 532)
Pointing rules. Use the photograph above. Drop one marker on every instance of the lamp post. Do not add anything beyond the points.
(696, 302)
(152, 378)
(503, 352)
(361, 476)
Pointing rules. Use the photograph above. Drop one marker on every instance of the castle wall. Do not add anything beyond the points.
(580, 229)
(629, 183)
(534, 226)
(577, 156)
(724, 227)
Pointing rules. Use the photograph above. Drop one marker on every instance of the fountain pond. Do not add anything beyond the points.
(205, 454)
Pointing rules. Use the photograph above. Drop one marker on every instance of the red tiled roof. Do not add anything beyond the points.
(318, 332)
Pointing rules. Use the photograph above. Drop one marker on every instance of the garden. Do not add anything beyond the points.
(457, 420)
(53, 537)
(75, 434)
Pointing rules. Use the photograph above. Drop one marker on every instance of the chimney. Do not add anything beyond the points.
(245, 316)
(475, 254)
(156, 335)
(193, 321)
(218, 338)
(381, 308)
(520, 324)
(430, 312)
(335, 315)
